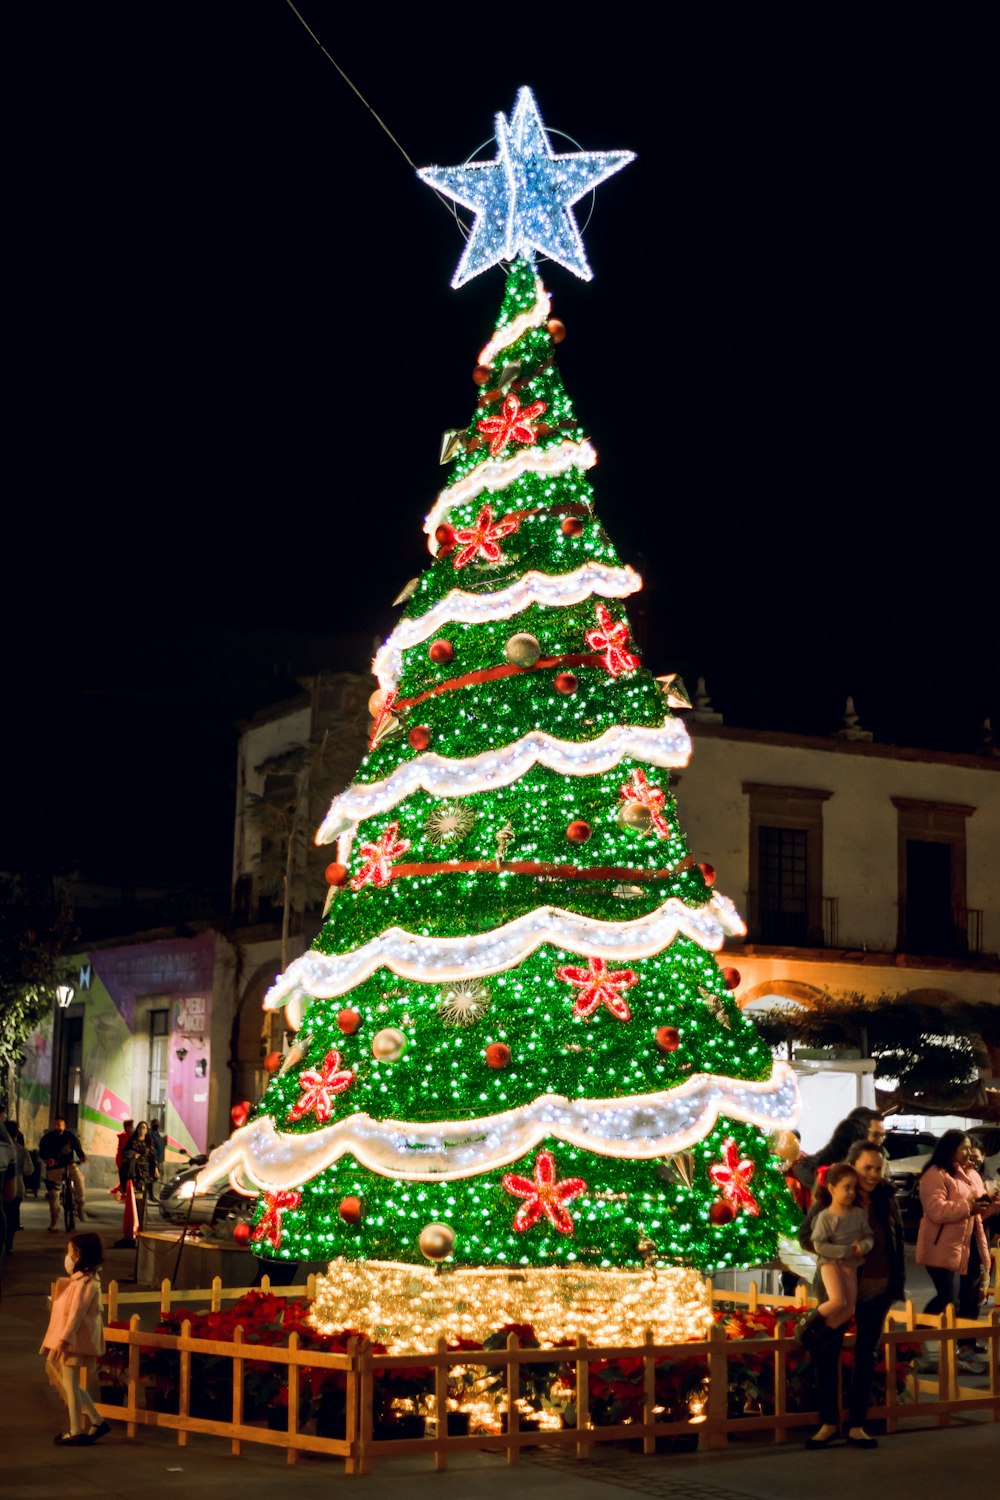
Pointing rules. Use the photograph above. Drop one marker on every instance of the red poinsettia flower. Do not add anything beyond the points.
(378, 858)
(732, 1176)
(597, 986)
(611, 637)
(318, 1087)
(483, 537)
(513, 425)
(275, 1205)
(544, 1195)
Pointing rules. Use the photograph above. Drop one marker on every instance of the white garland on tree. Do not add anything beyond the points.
(460, 607)
(518, 327)
(637, 1127)
(497, 473)
(669, 745)
(434, 959)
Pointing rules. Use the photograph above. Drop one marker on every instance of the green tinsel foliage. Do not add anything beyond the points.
(626, 1205)
(490, 1044)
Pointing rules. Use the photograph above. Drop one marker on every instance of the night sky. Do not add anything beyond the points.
(232, 348)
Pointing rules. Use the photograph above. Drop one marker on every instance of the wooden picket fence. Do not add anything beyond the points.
(937, 1400)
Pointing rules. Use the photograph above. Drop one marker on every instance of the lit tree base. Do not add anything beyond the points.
(408, 1308)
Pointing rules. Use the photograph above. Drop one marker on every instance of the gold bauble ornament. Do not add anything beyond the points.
(436, 1241)
(388, 1045)
(634, 815)
(523, 650)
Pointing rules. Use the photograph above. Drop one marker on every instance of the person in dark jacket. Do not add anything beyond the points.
(139, 1160)
(852, 1128)
(60, 1150)
(881, 1282)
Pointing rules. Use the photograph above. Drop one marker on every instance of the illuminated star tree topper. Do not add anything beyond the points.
(523, 199)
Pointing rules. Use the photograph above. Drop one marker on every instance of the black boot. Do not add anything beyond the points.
(811, 1331)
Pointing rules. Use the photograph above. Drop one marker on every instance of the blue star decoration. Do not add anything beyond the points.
(523, 199)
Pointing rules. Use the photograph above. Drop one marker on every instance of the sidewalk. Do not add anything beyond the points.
(154, 1467)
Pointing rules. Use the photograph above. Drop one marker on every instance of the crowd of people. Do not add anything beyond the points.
(852, 1224)
(59, 1155)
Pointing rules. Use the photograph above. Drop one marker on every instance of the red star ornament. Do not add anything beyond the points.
(639, 790)
(612, 637)
(378, 858)
(483, 537)
(732, 1176)
(599, 987)
(513, 425)
(275, 1204)
(543, 1195)
(318, 1087)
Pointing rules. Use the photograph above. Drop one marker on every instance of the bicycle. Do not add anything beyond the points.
(68, 1204)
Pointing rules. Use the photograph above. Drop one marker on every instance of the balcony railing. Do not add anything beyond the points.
(953, 932)
(812, 923)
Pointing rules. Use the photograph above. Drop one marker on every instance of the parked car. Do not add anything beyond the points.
(903, 1171)
(180, 1203)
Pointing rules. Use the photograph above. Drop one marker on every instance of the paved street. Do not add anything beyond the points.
(153, 1466)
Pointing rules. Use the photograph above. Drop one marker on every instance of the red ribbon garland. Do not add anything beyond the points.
(490, 674)
(532, 867)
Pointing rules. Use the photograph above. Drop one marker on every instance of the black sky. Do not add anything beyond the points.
(232, 348)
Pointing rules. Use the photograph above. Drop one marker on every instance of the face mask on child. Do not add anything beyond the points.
(69, 1263)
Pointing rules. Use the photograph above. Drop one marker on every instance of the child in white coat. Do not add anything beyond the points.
(74, 1339)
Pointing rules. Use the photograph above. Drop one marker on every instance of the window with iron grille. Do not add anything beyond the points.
(783, 884)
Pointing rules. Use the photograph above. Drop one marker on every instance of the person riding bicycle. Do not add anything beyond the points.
(60, 1150)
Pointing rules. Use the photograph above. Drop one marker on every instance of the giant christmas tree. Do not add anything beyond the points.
(514, 1046)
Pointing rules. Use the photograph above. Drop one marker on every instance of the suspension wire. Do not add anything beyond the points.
(377, 117)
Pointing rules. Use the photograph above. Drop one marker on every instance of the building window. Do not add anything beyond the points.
(783, 884)
(159, 1062)
(933, 915)
(785, 899)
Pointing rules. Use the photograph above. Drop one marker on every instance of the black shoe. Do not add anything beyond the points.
(814, 1443)
(101, 1430)
(810, 1332)
(863, 1442)
(71, 1440)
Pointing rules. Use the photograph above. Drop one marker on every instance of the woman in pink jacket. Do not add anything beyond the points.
(954, 1203)
(74, 1339)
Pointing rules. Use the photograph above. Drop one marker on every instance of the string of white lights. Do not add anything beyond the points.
(497, 473)
(462, 608)
(517, 327)
(669, 745)
(432, 959)
(633, 1128)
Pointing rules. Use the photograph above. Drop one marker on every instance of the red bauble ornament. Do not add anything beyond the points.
(441, 652)
(498, 1055)
(240, 1113)
(419, 737)
(668, 1038)
(350, 1210)
(482, 374)
(565, 683)
(557, 330)
(579, 831)
(721, 1213)
(707, 874)
(349, 1021)
(444, 535)
(272, 1062)
(732, 978)
(572, 526)
(241, 1234)
(335, 874)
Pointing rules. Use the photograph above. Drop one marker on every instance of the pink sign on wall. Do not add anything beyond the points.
(190, 1020)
